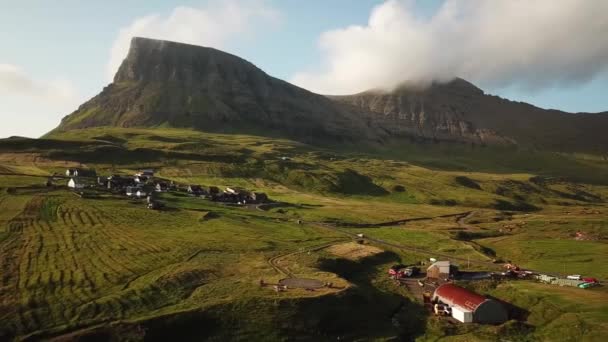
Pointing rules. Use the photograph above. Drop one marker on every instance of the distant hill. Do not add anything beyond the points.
(168, 84)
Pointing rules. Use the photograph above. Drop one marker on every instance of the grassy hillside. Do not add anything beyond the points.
(108, 267)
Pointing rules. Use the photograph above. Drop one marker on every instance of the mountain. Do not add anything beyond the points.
(163, 83)
(168, 84)
(458, 110)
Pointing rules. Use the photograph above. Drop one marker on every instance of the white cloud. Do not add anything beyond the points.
(30, 106)
(529, 44)
(14, 81)
(216, 24)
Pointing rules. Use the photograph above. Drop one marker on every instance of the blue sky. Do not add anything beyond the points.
(55, 55)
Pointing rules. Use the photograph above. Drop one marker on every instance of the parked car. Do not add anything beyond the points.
(574, 277)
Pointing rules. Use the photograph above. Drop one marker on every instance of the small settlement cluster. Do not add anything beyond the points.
(443, 297)
(145, 185)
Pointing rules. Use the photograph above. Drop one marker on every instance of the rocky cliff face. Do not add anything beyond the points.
(459, 111)
(163, 83)
(436, 111)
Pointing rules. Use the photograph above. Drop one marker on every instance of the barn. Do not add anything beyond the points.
(468, 306)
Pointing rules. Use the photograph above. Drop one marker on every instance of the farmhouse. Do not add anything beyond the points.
(468, 306)
(441, 270)
(75, 183)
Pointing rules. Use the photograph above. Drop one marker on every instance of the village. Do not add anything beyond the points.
(144, 185)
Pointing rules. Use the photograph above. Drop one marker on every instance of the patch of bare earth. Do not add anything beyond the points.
(354, 251)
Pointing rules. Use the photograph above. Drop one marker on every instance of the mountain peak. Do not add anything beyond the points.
(163, 83)
(162, 60)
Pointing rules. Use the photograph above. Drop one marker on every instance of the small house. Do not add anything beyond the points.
(161, 187)
(75, 183)
(468, 306)
(441, 270)
(196, 190)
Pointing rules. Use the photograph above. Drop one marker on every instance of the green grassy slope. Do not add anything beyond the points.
(108, 267)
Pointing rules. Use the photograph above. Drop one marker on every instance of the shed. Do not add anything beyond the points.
(441, 270)
(483, 310)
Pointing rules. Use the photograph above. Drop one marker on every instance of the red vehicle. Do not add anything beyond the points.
(590, 280)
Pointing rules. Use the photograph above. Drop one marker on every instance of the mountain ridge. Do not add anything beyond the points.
(169, 84)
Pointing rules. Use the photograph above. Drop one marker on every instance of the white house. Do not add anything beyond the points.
(73, 183)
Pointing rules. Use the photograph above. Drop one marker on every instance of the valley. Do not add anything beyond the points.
(105, 266)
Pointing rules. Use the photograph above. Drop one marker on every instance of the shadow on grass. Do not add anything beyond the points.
(374, 308)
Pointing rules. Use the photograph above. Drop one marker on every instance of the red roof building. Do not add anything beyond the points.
(467, 303)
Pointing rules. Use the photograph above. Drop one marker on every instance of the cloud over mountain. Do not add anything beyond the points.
(529, 44)
(213, 24)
